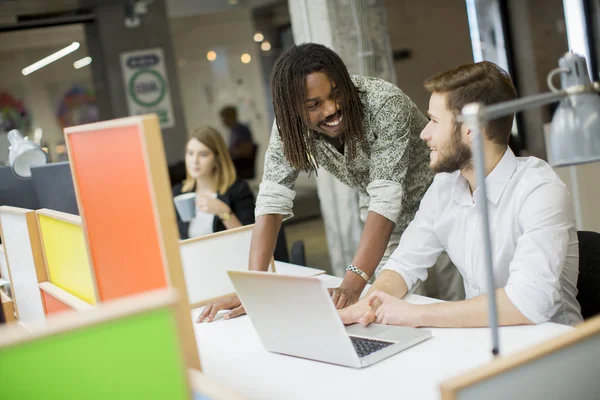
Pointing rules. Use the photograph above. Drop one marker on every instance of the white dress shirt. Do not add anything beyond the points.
(534, 241)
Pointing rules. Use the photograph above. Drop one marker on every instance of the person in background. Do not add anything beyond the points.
(535, 248)
(241, 143)
(222, 201)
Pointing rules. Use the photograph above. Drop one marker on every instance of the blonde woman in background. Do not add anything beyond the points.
(222, 201)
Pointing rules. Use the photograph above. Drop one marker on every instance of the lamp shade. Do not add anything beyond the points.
(24, 154)
(575, 128)
(575, 131)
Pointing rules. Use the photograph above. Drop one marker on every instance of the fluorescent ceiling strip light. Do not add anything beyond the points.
(82, 63)
(50, 59)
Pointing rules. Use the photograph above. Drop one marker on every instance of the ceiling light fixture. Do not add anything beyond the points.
(246, 58)
(51, 58)
(265, 46)
(82, 63)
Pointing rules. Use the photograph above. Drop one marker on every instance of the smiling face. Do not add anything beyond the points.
(448, 142)
(199, 160)
(322, 102)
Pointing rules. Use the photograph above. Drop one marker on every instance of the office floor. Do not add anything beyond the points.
(312, 232)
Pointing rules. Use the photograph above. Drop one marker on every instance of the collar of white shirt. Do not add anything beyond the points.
(495, 182)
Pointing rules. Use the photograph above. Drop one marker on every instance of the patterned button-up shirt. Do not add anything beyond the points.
(391, 168)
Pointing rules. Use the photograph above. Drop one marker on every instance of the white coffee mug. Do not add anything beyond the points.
(186, 206)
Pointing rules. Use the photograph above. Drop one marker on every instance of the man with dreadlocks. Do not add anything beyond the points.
(365, 132)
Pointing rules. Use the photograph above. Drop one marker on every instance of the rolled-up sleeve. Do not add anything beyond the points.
(394, 124)
(534, 274)
(276, 194)
(419, 245)
(385, 198)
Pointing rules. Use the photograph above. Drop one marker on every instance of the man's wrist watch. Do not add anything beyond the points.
(358, 271)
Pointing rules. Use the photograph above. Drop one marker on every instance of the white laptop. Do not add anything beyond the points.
(295, 316)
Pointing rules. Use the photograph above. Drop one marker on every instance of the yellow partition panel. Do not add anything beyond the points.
(66, 257)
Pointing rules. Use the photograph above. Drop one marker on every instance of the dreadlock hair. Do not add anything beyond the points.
(288, 83)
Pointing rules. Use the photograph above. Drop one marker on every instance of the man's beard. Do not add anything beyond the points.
(455, 155)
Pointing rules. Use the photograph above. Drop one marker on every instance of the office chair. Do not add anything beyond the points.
(246, 167)
(298, 255)
(281, 249)
(177, 173)
(588, 283)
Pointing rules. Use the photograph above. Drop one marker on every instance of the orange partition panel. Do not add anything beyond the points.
(53, 305)
(125, 200)
(115, 202)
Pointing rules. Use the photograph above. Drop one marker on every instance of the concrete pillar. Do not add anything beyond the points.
(357, 31)
(107, 38)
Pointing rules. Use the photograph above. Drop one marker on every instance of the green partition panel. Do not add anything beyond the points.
(137, 356)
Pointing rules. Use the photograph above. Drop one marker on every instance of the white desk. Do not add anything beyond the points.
(232, 354)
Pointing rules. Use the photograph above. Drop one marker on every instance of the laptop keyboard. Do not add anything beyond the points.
(364, 347)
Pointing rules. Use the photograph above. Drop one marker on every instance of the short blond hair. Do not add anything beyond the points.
(224, 171)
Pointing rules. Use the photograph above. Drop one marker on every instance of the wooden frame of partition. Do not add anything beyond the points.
(8, 307)
(147, 130)
(450, 389)
(3, 257)
(64, 297)
(6, 302)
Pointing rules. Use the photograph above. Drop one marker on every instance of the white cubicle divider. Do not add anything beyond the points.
(564, 367)
(24, 261)
(206, 259)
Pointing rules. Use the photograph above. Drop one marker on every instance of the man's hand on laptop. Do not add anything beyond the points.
(361, 313)
(231, 302)
(394, 311)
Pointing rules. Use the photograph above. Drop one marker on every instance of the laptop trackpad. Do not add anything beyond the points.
(382, 332)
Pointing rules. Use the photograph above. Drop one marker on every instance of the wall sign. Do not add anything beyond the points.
(147, 85)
